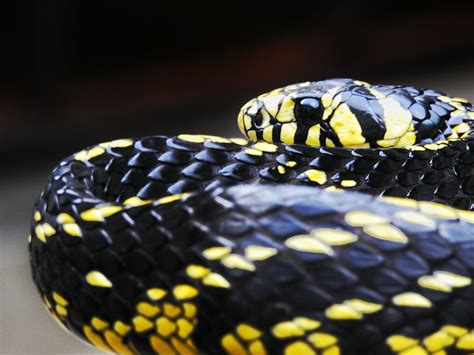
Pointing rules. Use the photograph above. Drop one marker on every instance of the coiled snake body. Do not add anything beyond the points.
(206, 244)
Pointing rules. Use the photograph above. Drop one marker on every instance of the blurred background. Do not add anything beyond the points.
(73, 73)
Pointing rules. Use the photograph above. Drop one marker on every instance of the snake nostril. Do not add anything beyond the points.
(258, 119)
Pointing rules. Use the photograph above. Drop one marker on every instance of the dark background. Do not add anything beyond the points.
(73, 73)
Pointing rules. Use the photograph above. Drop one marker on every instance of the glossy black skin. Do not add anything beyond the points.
(151, 245)
(156, 166)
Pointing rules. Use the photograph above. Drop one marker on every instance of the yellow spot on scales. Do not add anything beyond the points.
(438, 341)
(364, 218)
(434, 146)
(39, 232)
(414, 217)
(348, 183)
(215, 253)
(434, 284)
(462, 128)
(99, 324)
(362, 306)
(95, 339)
(287, 329)
(44, 230)
(254, 152)
(165, 327)
(98, 279)
(351, 309)
(322, 340)
(247, 332)
(184, 328)
(116, 343)
(147, 309)
(259, 253)
(466, 342)
(288, 132)
(216, 139)
(201, 138)
(61, 310)
(334, 237)
(400, 342)
(232, 345)
(307, 323)
(161, 346)
(281, 169)
(437, 210)
(346, 126)
(118, 143)
(64, 218)
(156, 294)
(317, 176)
(308, 244)
(342, 312)
(208, 278)
(386, 232)
(286, 112)
(299, 348)
(122, 328)
(172, 198)
(399, 201)
(396, 118)
(98, 214)
(171, 310)
(455, 330)
(141, 324)
(411, 299)
(252, 135)
(60, 299)
(271, 104)
(265, 147)
(444, 98)
(333, 350)
(313, 136)
(236, 261)
(37, 216)
(460, 99)
(239, 141)
(257, 348)
(215, 280)
(197, 271)
(72, 229)
(136, 201)
(89, 154)
(452, 279)
(190, 310)
(182, 292)
(327, 98)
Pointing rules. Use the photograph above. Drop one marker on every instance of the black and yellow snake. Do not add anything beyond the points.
(205, 244)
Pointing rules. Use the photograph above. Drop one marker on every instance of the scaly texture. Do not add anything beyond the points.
(183, 244)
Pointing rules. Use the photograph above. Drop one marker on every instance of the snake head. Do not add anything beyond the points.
(293, 114)
(346, 113)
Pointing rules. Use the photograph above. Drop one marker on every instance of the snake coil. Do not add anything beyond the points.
(195, 243)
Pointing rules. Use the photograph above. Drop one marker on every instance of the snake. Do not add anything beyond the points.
(342, 224)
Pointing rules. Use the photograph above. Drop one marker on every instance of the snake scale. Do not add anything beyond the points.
(203, 244)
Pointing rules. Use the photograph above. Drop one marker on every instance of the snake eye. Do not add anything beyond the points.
(308, 110)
